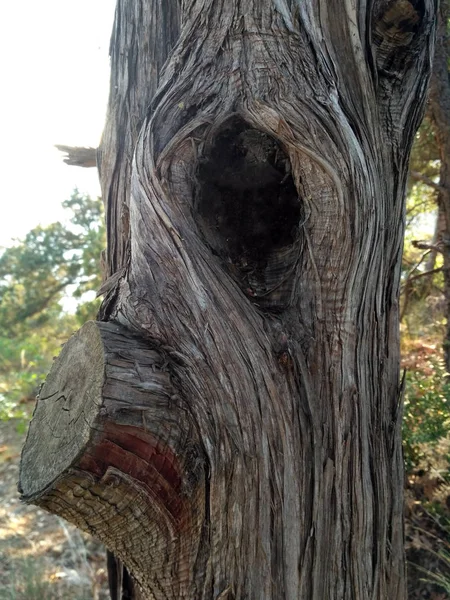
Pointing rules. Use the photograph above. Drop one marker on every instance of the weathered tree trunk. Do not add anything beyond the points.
(234, 429)
(440, 114)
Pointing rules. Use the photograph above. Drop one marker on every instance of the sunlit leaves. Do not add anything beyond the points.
(37, 274)
(427, 403)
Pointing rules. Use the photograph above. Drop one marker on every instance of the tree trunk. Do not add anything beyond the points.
(440, 113)
(234, 430)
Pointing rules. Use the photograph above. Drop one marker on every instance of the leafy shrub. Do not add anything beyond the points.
(427, 408)
(47, 282)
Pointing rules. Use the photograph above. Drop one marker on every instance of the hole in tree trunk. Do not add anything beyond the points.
(249, 210)
(395, 32)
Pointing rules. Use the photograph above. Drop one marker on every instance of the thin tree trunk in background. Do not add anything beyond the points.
(440, 229)
(241, 438)
(440, 113)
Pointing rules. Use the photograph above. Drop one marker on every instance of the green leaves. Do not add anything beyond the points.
(36, 272)
(37, 276)
(426, 420)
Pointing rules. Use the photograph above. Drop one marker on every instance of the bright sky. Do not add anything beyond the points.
(54, 67)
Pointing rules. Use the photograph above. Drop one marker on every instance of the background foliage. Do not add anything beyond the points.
(47, 290)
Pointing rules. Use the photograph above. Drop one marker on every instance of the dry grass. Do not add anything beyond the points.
(41, 556)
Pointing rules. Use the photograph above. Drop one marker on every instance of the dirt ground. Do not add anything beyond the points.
(44, 558)
(427, 504)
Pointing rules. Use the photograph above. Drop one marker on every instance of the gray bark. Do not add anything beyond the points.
(255, 224)
(113, 436)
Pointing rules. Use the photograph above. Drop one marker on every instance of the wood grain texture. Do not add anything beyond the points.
(103, 452)
(254, 189)
(144, 33)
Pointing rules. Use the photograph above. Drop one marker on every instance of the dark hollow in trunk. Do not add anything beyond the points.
(249, 211)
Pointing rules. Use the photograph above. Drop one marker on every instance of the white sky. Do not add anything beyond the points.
(54, 68)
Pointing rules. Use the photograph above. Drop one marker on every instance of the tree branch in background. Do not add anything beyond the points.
(406, 288)
(413, 210)
(426, 180)
(421, 245)
(424, 274)
(79, 156)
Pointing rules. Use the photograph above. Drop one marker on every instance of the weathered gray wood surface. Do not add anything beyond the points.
(109, 450)
(255, 222)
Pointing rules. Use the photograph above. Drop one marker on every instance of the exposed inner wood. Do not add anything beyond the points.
(103, 453)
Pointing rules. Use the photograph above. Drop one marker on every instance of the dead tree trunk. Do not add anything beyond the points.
(233, 428)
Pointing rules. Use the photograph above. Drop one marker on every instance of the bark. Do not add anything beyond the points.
(255, 220)
(144, 33)
(106, 468)
(440, 114)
